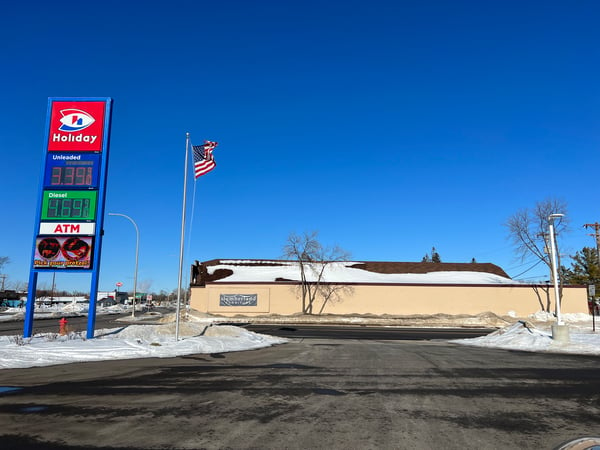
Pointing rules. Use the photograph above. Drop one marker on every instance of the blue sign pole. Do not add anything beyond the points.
(30, 306)
(33, 275)
(99, 223)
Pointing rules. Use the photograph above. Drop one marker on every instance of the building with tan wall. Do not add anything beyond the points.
(258, 287)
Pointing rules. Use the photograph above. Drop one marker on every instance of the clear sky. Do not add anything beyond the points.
(388, 126)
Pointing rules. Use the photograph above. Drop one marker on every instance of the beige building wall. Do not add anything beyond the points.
(401, 300)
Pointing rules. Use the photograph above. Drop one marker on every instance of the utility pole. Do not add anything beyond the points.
(53, 287)
(3, 278)
(596, 227)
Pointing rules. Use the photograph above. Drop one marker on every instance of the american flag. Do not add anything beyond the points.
(203, 158)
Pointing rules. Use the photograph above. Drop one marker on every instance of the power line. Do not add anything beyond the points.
(516, 276)
(520, 265)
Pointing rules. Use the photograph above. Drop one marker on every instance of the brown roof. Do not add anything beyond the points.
(426, 267)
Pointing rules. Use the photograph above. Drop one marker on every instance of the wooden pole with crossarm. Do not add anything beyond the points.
(596, 235)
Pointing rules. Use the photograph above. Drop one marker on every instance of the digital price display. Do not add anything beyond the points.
(72, 170)
(72, 205)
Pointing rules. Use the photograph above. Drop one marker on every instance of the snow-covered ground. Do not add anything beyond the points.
(157, 340)
(198, 334)
(64, 310)
(535, 335)
(131, 341)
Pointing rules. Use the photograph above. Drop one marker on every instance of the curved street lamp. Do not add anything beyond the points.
(137, 247)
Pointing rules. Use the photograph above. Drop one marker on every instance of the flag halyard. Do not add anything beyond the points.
(203, 158)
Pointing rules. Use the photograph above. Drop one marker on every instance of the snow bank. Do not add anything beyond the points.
(133, 341)
(526, 337)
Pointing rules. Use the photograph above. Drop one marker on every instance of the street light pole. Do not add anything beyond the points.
(551, 218)
(137, 249)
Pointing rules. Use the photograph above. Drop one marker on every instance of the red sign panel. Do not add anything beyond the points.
(76, 126)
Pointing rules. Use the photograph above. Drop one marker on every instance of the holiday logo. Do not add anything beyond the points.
(74, 120)
(76, 126)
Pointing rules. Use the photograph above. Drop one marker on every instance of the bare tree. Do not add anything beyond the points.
(528, 229)
(144, 286)
(313, 259)
(333, 293)
(3, 261)
(20, 286)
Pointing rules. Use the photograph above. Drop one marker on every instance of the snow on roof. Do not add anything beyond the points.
(266, 271)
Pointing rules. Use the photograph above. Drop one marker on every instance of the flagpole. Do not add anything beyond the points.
(189, 233)
(187, 145)
(191, 221)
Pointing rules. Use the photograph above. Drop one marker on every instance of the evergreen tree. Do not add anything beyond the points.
(435, 256)
(584, 268)
(426, 258)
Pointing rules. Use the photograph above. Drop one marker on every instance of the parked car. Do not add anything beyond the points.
(107, 301)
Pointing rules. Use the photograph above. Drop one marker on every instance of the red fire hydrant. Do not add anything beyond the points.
(62, 326)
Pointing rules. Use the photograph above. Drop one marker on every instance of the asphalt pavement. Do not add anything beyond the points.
(309, 393)
(337, 331)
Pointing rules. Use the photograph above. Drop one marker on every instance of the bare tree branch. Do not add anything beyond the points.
(528, 229)
(313, 260)
(3, 261)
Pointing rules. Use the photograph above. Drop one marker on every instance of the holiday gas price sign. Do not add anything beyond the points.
(70, 207)
(73, 183)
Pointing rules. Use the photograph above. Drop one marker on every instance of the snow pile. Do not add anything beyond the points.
(526, 337)
(133, 341)
(78, 308)
(544, 316)
(519, 336)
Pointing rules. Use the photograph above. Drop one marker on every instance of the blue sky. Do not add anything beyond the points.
(388, 126)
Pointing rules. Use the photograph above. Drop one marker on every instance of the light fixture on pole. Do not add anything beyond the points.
(553, 257)
(137, 248)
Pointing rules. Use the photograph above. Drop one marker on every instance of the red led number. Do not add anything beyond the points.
(56, 176)
(71, 176)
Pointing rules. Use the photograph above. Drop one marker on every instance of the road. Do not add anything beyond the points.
(74, 324)
(283, 330)
(325, 331)
(308, 393)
